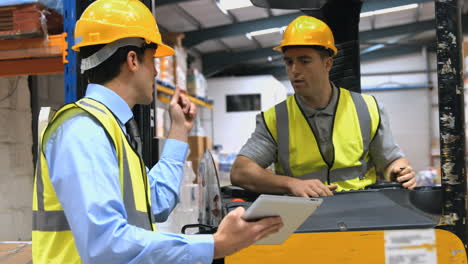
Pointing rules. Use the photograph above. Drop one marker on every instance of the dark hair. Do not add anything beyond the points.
(323, 52)
(110, 68)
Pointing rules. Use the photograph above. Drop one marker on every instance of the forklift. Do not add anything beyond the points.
(384, 223)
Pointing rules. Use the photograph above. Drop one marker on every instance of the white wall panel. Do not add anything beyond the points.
(232, 129)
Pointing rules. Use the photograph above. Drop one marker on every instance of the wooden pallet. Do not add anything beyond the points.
(15, 252)
(23, 21)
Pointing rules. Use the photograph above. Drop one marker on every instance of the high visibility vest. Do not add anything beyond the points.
(355, 124)
(52, 239)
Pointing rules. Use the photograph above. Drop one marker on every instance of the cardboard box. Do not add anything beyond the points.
(197, 147)
(208, 143)
(195, 163)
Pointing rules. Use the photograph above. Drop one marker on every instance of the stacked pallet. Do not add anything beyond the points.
(31, 40)
(28, 20)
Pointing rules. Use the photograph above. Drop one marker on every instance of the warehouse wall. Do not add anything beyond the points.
(51, 92)
(408, 101)
(234, 128)
(16, 166)
(408, 111)
(16, 146)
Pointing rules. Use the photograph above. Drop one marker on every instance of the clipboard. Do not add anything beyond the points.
(293, 211)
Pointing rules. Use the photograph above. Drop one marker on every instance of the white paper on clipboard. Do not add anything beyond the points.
(293, 211)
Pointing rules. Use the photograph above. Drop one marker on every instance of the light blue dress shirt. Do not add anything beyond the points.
(84, 172)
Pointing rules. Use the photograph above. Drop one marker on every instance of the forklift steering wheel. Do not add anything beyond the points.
(385, 185)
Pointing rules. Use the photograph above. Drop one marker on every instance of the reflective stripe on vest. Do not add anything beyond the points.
(49, 221)
(357, 114)
(56, 220)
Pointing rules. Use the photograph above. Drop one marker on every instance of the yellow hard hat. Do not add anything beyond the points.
(308, 31)
(106, 21)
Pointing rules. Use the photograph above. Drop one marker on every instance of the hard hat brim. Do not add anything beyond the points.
(163, 50)
(280, 47)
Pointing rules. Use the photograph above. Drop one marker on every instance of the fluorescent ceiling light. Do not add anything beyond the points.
(389, 10)
(264, 32)
(234, 4)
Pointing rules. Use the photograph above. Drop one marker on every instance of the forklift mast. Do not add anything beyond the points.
(452, 117)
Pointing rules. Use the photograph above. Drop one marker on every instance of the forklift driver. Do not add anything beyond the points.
(323, 138)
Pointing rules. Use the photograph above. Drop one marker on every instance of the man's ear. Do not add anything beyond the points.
(132, 61)
(329, 63)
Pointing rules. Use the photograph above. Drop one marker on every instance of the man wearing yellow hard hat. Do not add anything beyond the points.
(94, 200)
(322, 138)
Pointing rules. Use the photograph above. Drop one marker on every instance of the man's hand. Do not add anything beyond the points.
(234, 233)
(310, 188)
(182, 113)
(401, 171)
(405, 175)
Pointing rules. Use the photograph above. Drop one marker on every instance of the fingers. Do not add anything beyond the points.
(312, 188)
(311, 193)
(238, 212)
(410, 184)
(405, 170)
(396, 170)
(193, 110)
(184, 103)
(317, 188)
(328, 189)
(405, 174)
(408, 180)
(405, 177)
(188, 107)
(408, 177)
(175, 96)
(269, 221)
(319, 191)
(266, 226)
(268, 231)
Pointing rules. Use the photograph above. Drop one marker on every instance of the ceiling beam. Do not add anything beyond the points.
(218, 61)
(215, 62)
(169, 2)
(372, 5)
(392, 52)
(386, 32)
(280, 71)
(365, 36)
(195, 37)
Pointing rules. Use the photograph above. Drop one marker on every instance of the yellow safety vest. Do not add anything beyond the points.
(52, 239)
(355, 124)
